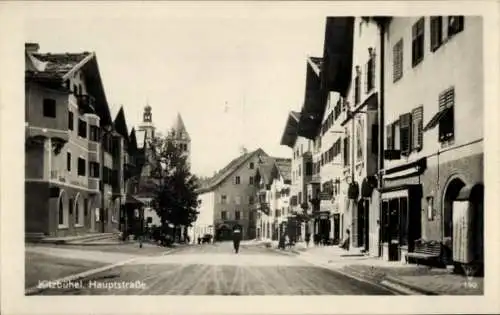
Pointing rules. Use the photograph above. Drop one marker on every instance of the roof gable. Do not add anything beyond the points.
(180, 128)
(284, 168)
(291, 128)
(58, 68)
(121, 125)
(132, 140)
(231, 168)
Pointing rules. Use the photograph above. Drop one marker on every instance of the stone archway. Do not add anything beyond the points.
(62, 209)
(451, 191)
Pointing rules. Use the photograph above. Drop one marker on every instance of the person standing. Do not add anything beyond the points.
(237, 231)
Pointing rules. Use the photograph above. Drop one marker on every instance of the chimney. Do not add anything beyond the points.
(31, 47)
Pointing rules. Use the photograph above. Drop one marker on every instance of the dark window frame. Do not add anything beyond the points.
(405, 134)
(237, 180)
(68, 161)
(82, 128)
(436, 29)
(71, 120)
(456, 27)
(447, 122)
(417, 118)
(82, 167)
(223, 215)
(49, 108)
(418, 42)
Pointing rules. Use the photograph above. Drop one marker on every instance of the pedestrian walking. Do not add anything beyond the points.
(237, 237)
(308, 238)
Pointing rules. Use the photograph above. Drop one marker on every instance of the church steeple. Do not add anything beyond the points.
(147, 116)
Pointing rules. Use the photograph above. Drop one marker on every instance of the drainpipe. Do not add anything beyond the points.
(381, 127)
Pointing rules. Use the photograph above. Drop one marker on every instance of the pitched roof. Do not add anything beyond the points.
(121, 125)
(284, 167)
(291, 127)
(229, 169)
(265, 169)
(179, 127)
(132, 140)
(315, 63)
(57, 68)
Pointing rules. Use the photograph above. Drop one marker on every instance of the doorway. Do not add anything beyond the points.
(366, 216)
(450, 195)
(361, 223)
(336, 228)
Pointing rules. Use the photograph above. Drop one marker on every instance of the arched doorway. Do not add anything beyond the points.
(451, 193)
(223, 233)
(62, 210)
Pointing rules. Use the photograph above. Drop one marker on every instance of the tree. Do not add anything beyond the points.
(176, 200)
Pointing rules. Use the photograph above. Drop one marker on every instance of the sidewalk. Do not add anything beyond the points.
(404, 278)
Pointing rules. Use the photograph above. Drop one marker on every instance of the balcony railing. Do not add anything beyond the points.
(58, 175)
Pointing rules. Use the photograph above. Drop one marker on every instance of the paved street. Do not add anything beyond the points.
(216, 270)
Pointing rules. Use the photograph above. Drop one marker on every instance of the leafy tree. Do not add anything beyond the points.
(176, 200)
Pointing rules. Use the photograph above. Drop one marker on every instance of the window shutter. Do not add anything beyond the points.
(405, 133)
(417, 128)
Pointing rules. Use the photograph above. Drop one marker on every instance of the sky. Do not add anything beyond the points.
(232, 72)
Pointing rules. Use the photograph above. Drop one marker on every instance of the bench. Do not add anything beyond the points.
(427, 251)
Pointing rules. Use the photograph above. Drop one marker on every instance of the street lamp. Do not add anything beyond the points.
(105, 131)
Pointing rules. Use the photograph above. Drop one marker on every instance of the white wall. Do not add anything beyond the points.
(205, 221)
(459, 63)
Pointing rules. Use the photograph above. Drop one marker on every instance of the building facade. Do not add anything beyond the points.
(71, 169)
(433, 143)
(234, 192)
(204, 223)
(360, 123)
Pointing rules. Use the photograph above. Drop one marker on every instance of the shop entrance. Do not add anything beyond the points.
(450, 195)
(336, 229)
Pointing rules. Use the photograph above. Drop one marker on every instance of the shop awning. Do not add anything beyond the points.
(471, 193)
(436, 118)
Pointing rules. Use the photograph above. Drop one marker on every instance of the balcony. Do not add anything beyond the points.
(86, 104)
(58, 175)
(264, 207)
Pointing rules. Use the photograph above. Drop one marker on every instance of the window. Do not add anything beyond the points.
(49, 107)
(94, 133)
(71, 120)
(405, 133)
(251, 166)
(250, 180)
(237, 180)
(61, 211)
(277, 213)
(309, 168)
(82, 128)
(68, 161)
(417, 48)
(346, 151)
(223, 199)
(78, 213)
(71, 204)
(417, 128)
(300, 170)
(455, 25)
(94, 169)
(223, 215)
(300, 197)
(81, 167)
(357, 86)
(237, 215)
(397, 61)
(370, 73)
(447, 121)
(436, 32)
(250, 200)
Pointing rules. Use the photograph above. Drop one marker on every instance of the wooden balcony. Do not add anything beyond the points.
(86, 104)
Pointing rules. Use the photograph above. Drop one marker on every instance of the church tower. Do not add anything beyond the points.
(146, 129)
(180, 136)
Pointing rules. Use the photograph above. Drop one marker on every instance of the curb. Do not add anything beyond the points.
(388, 283)
(36, 289)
